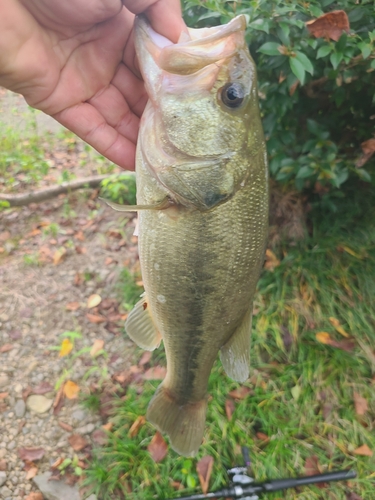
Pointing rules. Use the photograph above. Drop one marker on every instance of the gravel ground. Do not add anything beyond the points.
(33, 315)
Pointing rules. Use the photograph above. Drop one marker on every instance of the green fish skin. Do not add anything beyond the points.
(201, 161)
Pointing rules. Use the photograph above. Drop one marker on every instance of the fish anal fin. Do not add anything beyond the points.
(184, 424)
(235, 354)
(140, 326)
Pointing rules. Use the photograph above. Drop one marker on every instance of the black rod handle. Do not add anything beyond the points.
(282, 484)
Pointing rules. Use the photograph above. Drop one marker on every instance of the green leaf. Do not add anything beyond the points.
(324, 51)
(372, 65)
(270, 49)
(297, 68)
(305, 61)
(336, 58)
(304, 172)
(365, 48)
(296, 392)
(260, 25)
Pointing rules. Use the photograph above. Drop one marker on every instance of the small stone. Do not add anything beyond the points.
(4, 380)
(55, 490)
(11, 445)
(85, 429)
(5, 491)
(38, 403)
(78, 416)
(18, 388)
(3, 477)
(20, 408)
(3, 452)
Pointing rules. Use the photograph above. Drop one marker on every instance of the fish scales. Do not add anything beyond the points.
(202, 194)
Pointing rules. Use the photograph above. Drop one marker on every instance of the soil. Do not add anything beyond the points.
(53, 257)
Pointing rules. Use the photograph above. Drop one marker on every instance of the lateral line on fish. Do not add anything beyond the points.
(162, 205)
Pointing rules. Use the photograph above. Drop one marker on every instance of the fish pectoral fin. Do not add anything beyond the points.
(140, 326)
(184, 423)
(235, 354)
(161, 205)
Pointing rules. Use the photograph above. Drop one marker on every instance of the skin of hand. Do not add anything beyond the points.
(76, 62)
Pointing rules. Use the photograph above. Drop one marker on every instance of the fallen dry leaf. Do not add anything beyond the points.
(157, 448)
(155, 373)
(262, 436)
(336, 324)
(42, 388)
(66, 348)
(240, 392)
(34, 495)
(32, 473)
(360, 404)
(4, 395)
(99, 436)
(5, 235)
(271, 260)
(312, 468)
(204, 470)
(145, 358)
(331, 25)
(368, 146)
(93, 301)
(353, 496)
(59, 256)
(108, 426)
(77, 442)
(6, 347)
(97, 347)
(96, 318)
(66, 427)
(72, 306)
(229, 408)
(31, 454)
(364, 451)
(347, 345)
(136, 425)
(57, 463)
(71, 389)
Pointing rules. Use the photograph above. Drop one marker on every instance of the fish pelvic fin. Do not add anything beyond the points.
(140, 326)
(184, 424)
(235, 354)
(162, 205)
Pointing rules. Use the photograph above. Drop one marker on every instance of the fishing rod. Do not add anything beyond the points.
(243, 486)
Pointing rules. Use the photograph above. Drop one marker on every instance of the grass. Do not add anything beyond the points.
(301, 390)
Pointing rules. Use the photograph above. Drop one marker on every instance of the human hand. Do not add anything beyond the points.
(76, 62)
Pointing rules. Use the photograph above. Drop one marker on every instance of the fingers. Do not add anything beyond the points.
(87, 122)
(132, 89)
(164, 15)
(111, 105)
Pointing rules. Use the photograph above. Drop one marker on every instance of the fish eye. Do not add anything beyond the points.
(232, 95)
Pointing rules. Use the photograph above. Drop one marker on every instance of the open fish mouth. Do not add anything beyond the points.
(195, 49)
(199, 52)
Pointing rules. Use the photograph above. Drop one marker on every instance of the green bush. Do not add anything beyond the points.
(119, 188)
(316, 95)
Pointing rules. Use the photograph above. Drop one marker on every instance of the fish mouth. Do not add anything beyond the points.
(196, 48)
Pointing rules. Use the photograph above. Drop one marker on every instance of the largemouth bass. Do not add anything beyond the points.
(202, 191)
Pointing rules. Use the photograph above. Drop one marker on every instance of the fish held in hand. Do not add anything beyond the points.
(202, 190)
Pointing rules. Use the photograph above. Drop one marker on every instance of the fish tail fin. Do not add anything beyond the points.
(184, 424)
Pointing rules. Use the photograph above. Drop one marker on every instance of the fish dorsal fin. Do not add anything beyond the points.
(141, 328)
(235, 354)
